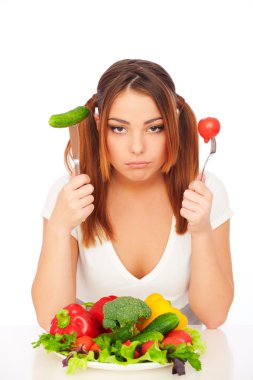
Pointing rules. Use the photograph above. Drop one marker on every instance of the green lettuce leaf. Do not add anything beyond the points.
(123, 355)
(76, 362)
(153, 354)
(57, 342)
(197, 342)
(185, 351)
(103, 341)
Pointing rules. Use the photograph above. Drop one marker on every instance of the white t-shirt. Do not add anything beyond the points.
(100, 272)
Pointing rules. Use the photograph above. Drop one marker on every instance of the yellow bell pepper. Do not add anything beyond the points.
(160, 305)
(153, 297)
(183, 321)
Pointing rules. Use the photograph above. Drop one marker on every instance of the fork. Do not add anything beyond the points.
(212, 151)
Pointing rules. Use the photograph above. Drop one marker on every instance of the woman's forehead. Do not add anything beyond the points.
(135, 104)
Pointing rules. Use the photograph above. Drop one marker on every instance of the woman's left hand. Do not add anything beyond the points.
(196, 206)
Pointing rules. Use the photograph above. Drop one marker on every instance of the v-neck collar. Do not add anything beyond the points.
(120, 267)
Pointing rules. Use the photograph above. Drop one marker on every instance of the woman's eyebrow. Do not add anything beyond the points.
(127, 122)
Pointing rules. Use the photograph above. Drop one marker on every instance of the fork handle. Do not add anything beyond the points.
(213, 150)
(202, 172)
(76, 167)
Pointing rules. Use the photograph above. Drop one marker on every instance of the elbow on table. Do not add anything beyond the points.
(45, 325)
(216, 318)
(215, 321)
(43, 320)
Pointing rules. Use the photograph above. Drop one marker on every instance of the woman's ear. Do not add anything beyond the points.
(96, 117)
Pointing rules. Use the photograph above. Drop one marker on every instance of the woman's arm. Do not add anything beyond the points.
(211, 289)
(54, 285)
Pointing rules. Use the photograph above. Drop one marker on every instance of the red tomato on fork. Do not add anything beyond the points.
(208, 128)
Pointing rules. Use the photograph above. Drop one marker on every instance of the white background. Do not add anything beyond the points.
(52, 56)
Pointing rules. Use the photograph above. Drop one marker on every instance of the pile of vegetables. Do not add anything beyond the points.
(123, 330)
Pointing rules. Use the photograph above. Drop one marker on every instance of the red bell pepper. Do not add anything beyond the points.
(74, 318)
(97, 310)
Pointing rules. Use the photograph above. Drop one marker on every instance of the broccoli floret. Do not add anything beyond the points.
(124, 311)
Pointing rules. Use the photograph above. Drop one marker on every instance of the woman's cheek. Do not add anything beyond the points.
(117, 155)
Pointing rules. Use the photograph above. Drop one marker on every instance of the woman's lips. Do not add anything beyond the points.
(138, 164)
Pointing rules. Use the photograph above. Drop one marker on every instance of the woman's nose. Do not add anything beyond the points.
(137, 144)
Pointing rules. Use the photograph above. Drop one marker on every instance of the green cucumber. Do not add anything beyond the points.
(69, 118)
(146, 336)
(122, 334)
(163, 324)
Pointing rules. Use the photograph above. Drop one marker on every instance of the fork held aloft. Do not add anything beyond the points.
(212, 151)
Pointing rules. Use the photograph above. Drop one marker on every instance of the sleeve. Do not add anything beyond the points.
(220, 211)
(52, 197)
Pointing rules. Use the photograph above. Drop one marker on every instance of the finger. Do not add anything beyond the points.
(191, 206)
(84, 190)
(193, 196)
(199, 187)
(86, 201)
(203, 179)
(86, 211)
(187, 214)
(78, 181)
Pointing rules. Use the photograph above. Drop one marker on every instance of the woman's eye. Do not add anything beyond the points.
(121, 130)
(157, 128)
(118, 130)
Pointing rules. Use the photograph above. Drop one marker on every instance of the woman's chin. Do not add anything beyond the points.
(139, 177)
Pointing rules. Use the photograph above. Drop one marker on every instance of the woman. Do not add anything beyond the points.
(139, 220)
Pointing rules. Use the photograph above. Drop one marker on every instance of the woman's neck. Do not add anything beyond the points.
(140, 190)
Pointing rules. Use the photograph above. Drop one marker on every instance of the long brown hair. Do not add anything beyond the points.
(182, 164)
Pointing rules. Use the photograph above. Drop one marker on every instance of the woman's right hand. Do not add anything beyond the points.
(74, 203)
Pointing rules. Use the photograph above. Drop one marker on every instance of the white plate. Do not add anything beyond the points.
(119, 367)
(128, 367)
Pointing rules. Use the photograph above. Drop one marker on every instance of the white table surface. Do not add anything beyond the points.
(229, 356)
